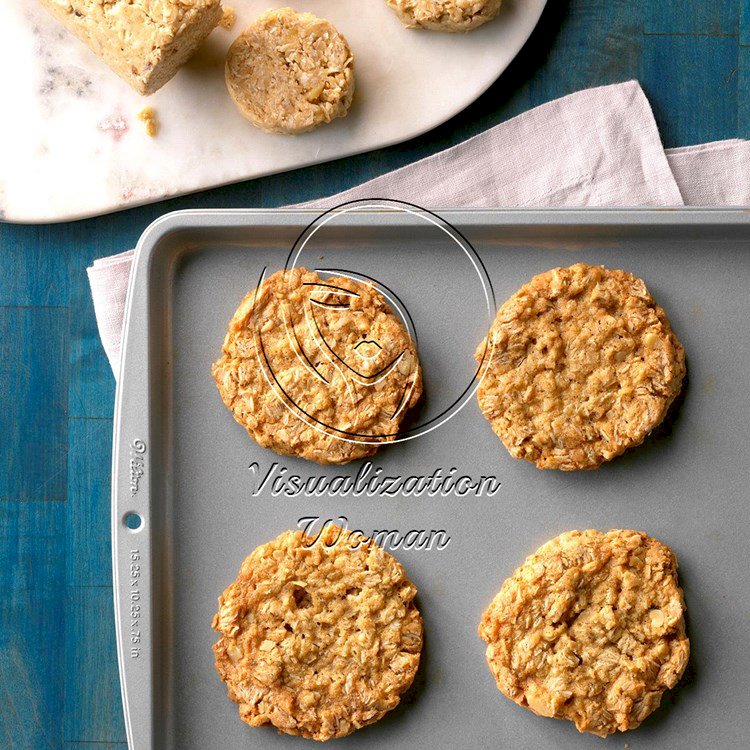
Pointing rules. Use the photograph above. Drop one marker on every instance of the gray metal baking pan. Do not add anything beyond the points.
(195, 480)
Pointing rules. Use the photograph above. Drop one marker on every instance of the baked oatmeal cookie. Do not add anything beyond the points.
(289, 72)
(584, 366)
(590, 629)
(445, 15)
(318, 368)
(319, 637)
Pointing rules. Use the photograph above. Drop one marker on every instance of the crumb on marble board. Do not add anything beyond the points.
(228, 19)
(148, 117)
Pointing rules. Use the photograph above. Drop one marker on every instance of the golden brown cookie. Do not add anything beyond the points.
(445, 15)
(590, 629)
(289, 72)
(584, 366)
(319, 637)
(318, 368)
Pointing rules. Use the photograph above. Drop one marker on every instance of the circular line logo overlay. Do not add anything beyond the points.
(351, 357)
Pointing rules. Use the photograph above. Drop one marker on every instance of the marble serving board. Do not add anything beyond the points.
(71, 145)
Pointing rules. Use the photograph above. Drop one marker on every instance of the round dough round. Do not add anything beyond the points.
(289, 72)
(318, 368)
(319, 637)
(590, 629)
(584, 366)
(445, 15)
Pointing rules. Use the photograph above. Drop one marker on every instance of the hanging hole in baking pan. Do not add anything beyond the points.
(133, 521)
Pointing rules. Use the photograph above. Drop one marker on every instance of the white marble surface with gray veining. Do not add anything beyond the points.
(71, 144)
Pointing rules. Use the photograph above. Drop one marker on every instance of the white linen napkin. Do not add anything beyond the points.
(598, 147)
(713, 174)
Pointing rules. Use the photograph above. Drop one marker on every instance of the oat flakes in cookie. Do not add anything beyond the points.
(319, 368)
(590, 629)
(318, 637)
(583, 366)
(445, 15)
(289, 72)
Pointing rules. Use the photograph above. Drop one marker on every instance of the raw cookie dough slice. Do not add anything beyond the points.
(289, 72)
(584, 366)
(445, 15)
(319, 368)
(318, 637)
(590, 629)
(144, 41)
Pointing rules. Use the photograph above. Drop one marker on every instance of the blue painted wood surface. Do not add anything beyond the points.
(58, 671)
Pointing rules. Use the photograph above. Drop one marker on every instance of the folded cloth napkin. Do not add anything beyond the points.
(598, 147)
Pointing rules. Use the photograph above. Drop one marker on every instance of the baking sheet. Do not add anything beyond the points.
(188, 461)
